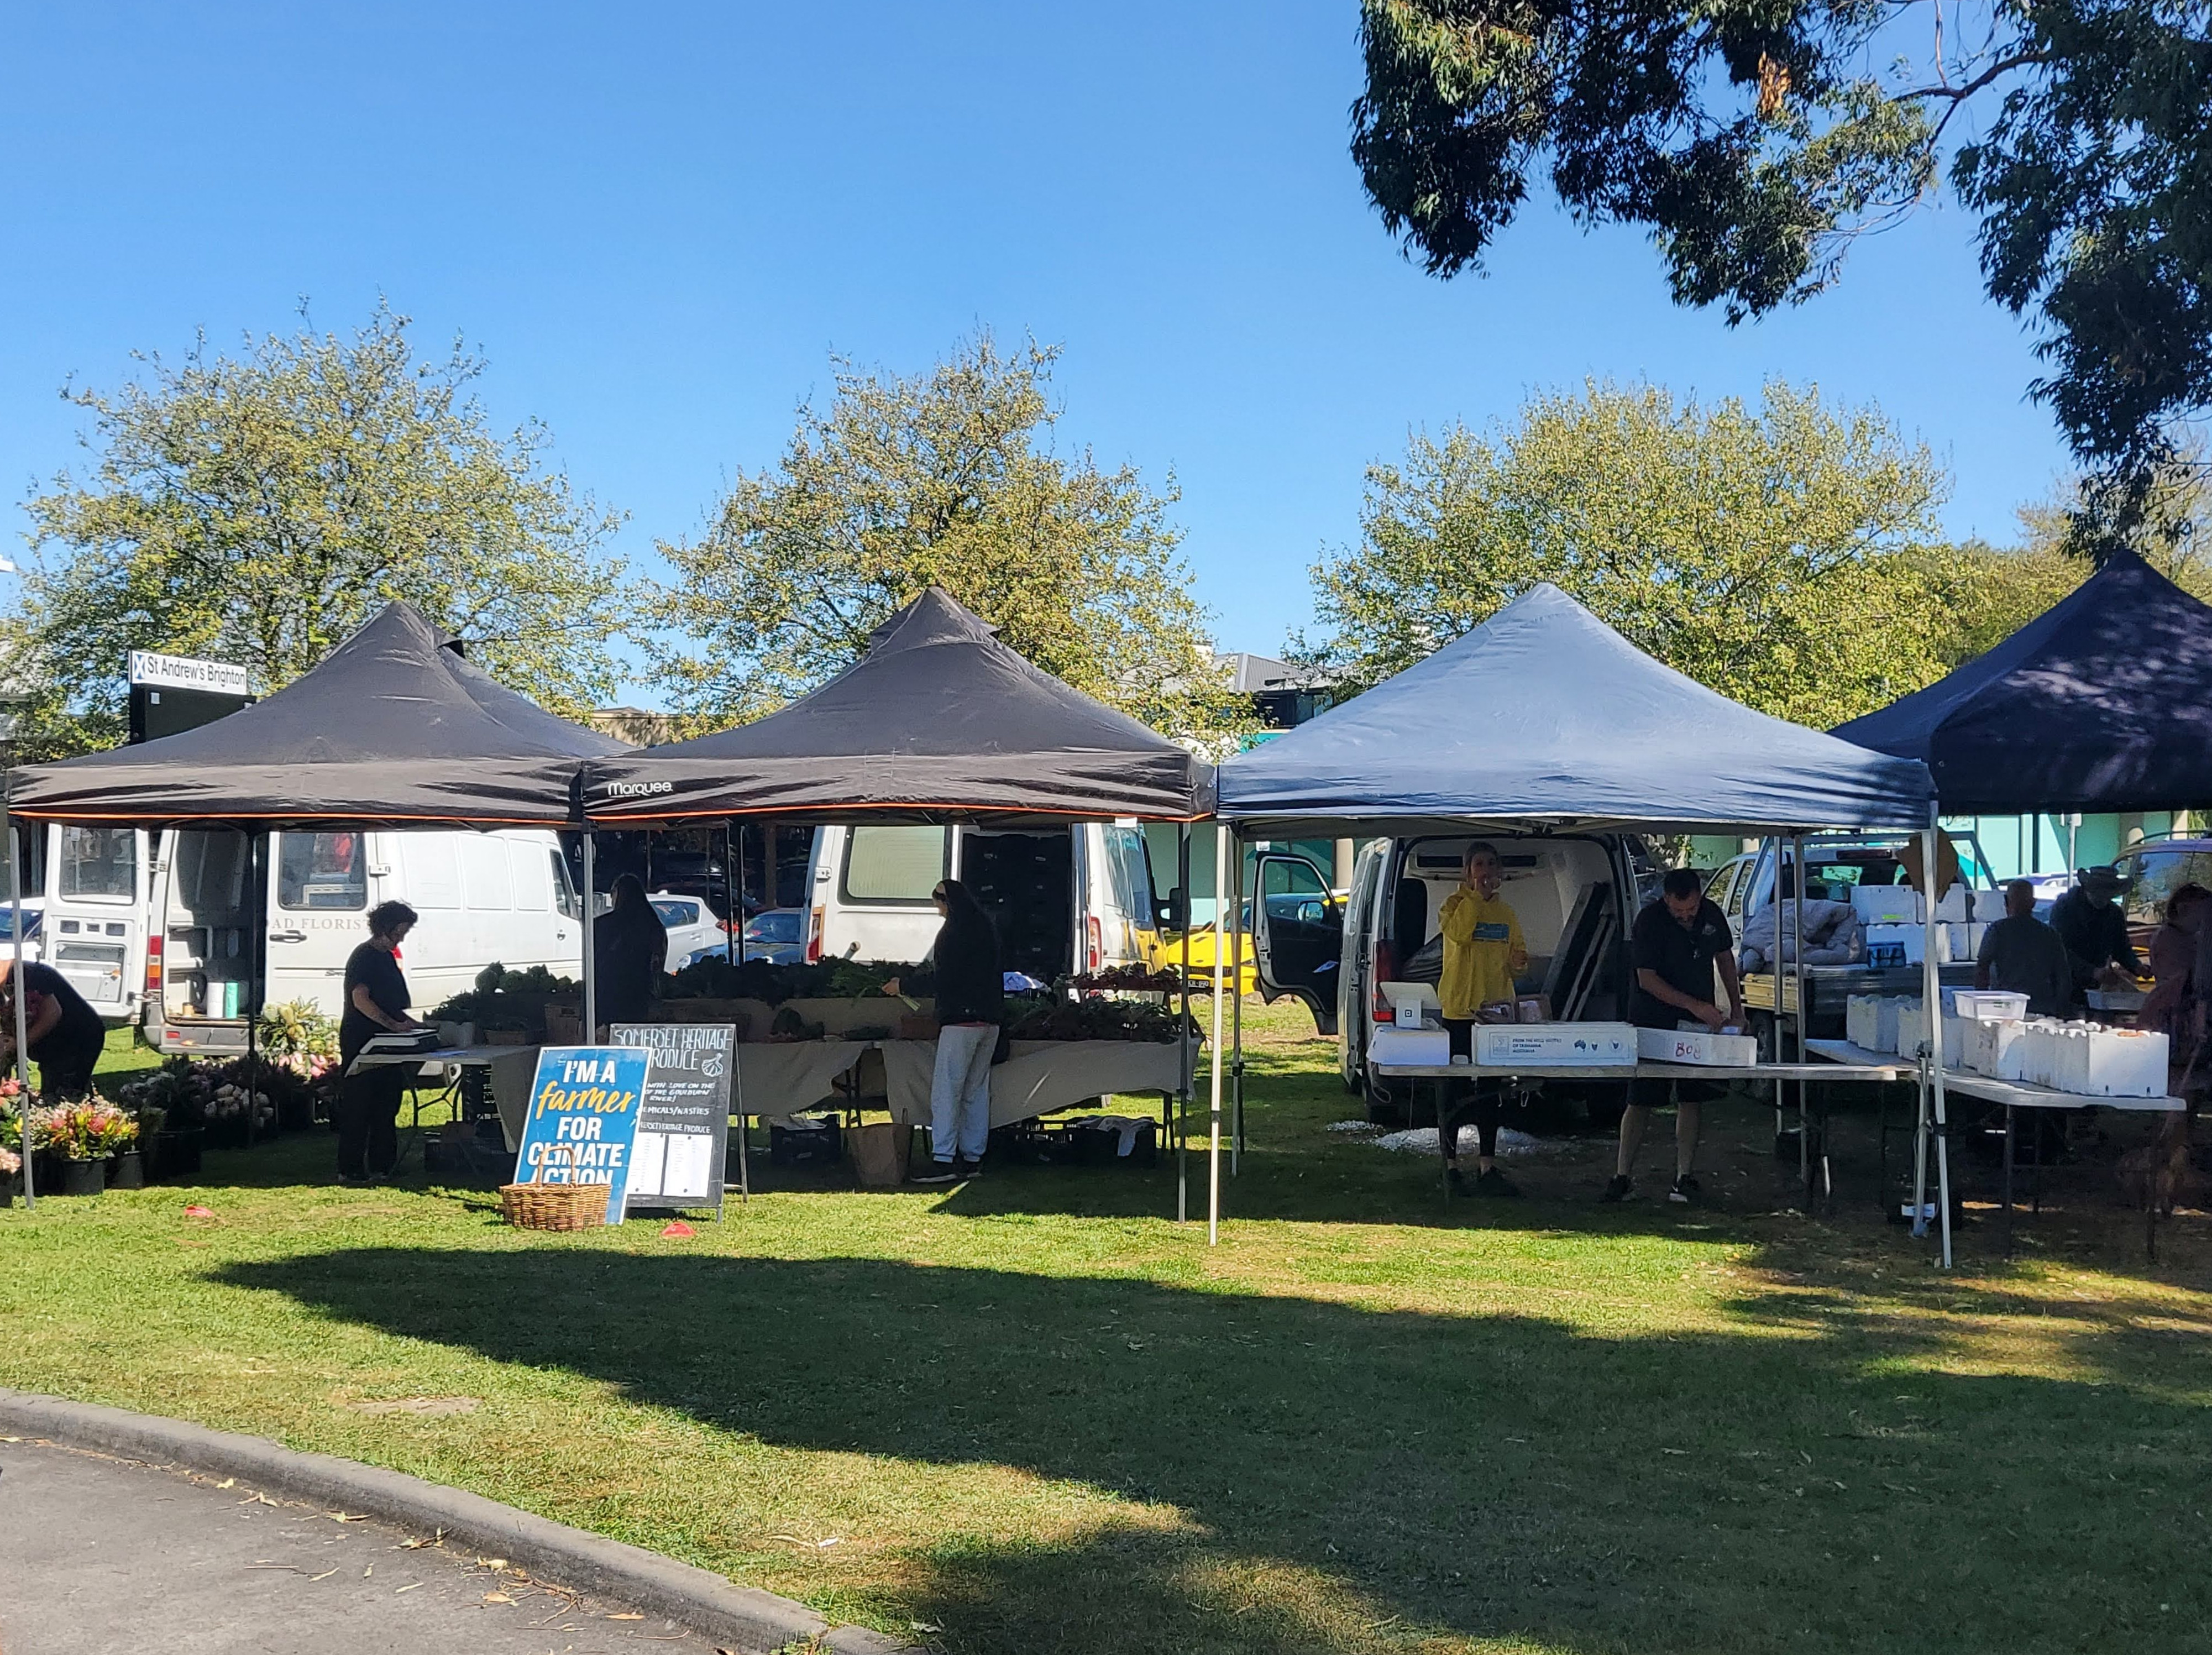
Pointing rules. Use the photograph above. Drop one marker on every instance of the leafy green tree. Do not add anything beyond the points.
(1756, 139)
(1787, 556)
(944, 477)
(258, 509)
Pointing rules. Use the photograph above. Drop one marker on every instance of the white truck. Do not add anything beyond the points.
(504, 896)
(84, 899)
(1067, 899)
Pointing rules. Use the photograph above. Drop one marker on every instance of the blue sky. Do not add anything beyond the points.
(658, 223)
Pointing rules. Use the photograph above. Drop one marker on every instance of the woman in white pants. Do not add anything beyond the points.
(970, 1002)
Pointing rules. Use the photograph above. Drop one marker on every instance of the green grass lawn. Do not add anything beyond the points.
(1035, 1413)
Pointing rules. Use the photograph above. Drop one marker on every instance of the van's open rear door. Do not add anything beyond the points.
(1297, 934)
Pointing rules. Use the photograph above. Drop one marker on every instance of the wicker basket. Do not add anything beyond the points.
(538, 1205)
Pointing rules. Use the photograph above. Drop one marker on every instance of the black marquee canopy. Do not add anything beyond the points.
(938, 723)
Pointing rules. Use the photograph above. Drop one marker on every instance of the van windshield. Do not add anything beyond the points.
(100, 862)
(894, 864)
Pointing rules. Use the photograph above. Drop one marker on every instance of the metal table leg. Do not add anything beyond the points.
(2007, 1178)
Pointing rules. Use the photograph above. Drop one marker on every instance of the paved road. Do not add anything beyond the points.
(98, 1555)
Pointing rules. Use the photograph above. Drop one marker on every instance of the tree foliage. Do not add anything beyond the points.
(1755, 139)
(1787, 556)
(944, 477)
(258, 509)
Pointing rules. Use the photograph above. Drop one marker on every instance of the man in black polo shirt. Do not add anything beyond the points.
(1677, 943)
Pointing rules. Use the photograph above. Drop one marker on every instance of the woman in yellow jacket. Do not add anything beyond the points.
(1483, 953)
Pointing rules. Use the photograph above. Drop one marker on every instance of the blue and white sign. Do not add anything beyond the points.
(582, 1124)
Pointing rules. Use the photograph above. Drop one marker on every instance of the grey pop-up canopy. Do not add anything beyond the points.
(393, 729)
(2102, 702)
(938, 723)
(1543, 714)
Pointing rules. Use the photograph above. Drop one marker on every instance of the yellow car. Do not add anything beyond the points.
(1166, 956)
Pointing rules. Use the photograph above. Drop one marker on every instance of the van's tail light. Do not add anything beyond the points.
(153, 968)
(1094, 943)
(1386, 970)
(814, 938)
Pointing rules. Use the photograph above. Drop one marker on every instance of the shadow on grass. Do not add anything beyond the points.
(1340, 1477)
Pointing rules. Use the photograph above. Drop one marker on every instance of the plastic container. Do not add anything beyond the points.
(1556, 1045)
(1988, 1005)
(1697, 1046)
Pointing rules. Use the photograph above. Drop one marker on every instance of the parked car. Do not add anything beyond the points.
(693, 927)
(778, 936)
(2154, 870)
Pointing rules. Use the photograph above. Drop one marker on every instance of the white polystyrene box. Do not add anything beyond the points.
(1957, 903)
(1862, 1021)
(1955, 943)
(1989, 1042)
(1989, 906)
(1696, 1046)
(1911, 1027)
(1914, 937)
(2123, 1064)
(1886, 905)
(1556, 1045)
(1422, 1046)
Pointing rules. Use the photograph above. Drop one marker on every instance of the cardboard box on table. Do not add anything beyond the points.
(1556, 1045)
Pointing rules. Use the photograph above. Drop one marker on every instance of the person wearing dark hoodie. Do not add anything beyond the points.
(629, 951)
(970, 1004)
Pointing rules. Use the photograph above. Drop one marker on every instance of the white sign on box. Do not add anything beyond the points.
(1555, 1045)
(1697, 1046)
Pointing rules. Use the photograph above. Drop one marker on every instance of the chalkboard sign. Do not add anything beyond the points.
(684, 1133)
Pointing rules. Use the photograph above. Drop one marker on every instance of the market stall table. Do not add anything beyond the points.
(1875, 1068)
(2013, 1095)
(1039, 1077)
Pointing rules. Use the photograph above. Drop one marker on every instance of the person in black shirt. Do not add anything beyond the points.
(629, 951)
(1676, 945)
(971, 989)
(63, 1036)
(375, 1003)
(2095, 932)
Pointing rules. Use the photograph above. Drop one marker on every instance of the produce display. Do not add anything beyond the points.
(1137, 979)
(1037, 1018)
(504, 999)
(756, 979)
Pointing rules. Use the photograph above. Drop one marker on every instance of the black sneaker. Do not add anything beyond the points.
(1495, 1183)
(938, 1172)
(1685, 1191)
(971, 1169)
(1454, 1180)
(1619, 1190)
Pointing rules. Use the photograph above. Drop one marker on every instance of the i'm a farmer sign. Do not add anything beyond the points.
(582, 1125)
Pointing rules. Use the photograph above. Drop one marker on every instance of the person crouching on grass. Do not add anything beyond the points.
(1483, 953)
(1675, 945)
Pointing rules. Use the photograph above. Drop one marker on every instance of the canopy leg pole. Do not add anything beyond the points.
(15, 993)
(1773, 846)
(1932, 991)
(731, 928)
(1236, 1004)
(1183, 1032)
(1797, 998)
(590, 983)
(257, 928)
(1920, 1156)
(1213, 1132)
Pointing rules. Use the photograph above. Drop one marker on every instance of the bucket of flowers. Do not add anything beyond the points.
(88, 1136)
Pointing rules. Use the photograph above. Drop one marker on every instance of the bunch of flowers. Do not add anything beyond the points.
(231, 1099)
(91, 1130)
(10, 1163)
(180, 1089)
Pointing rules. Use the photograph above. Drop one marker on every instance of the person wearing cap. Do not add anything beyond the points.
(62, 1035)
(2088, 921)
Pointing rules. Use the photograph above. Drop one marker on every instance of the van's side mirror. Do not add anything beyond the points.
(1173, 910)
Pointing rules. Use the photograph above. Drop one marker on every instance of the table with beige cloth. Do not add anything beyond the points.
(1042, 1075)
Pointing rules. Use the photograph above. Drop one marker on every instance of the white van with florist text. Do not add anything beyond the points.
(84, 900)
(505, 895)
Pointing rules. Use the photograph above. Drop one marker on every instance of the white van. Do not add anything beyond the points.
(1575, 896)
(1067, 899)
(504, 896)
(85, 891)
